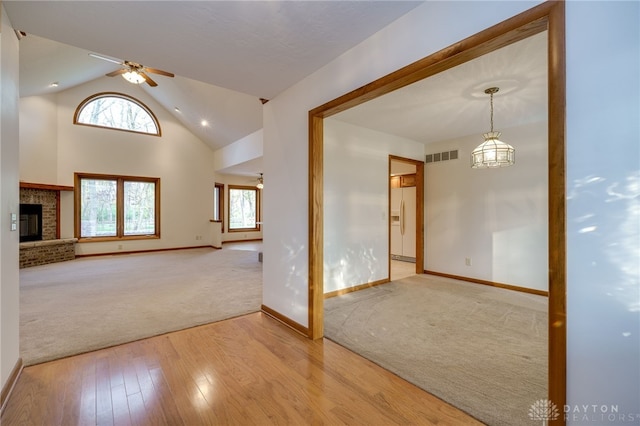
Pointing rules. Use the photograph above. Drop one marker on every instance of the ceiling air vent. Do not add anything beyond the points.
(442, 156)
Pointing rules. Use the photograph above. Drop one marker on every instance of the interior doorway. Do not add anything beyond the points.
(406, 217)
(547, 16)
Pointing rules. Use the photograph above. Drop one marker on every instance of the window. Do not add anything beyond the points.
(111, 207)
(244, 212)
(117, 111)
(218, 202)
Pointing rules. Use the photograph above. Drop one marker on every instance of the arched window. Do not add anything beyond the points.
(117, 111)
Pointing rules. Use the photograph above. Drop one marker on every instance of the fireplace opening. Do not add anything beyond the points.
(30, 222)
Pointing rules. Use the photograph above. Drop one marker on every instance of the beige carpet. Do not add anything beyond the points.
(480, 348)
(90, 303)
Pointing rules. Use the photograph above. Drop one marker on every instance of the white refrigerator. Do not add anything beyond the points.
(403, 223)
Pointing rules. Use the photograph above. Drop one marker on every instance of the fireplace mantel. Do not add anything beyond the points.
(45, 186)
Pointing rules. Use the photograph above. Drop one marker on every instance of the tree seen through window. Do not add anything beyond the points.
(112, 207)
(117, 111)
(243, 208)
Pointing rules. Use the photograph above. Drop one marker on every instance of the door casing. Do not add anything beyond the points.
(548, 16)
(419, 212)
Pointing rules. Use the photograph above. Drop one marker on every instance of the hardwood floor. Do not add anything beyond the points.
(400, 269)
(246, 370)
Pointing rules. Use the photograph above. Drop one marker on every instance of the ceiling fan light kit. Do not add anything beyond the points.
(133, 72)
(492, 153)
(132, 76)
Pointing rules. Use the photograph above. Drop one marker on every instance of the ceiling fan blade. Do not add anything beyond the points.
(116, 72)
(156, 71)
(148, 79)
(105, 58)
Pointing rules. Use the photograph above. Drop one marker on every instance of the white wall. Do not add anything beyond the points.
(9, 200)
(181, 161)
(38, 139)
(241, 151)
(496, 217)
(602, 83)
(356, 202)
(603, 206)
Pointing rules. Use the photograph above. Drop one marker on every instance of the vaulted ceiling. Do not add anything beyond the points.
(228, 54)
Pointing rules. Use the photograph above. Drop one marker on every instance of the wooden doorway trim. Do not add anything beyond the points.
(549, 16)
(419, 212)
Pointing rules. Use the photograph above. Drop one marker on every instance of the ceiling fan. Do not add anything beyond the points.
(132, 71)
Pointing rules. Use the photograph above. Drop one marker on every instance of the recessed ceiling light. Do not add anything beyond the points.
(204, 123)
(54, 84)
(176, 109)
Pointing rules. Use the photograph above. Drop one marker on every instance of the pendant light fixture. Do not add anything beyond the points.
(492, 153)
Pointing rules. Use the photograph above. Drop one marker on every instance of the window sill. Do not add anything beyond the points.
(126, 238)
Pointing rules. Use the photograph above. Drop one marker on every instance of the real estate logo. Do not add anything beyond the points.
(543, 410)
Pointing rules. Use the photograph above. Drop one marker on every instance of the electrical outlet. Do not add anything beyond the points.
(467, 261)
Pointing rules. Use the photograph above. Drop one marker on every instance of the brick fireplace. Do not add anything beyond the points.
(50, 247)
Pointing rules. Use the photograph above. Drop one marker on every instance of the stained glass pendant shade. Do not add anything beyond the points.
(492, 153)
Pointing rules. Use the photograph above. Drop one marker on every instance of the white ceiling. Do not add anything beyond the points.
(228, 54)
(254, 47)
(453, 104)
